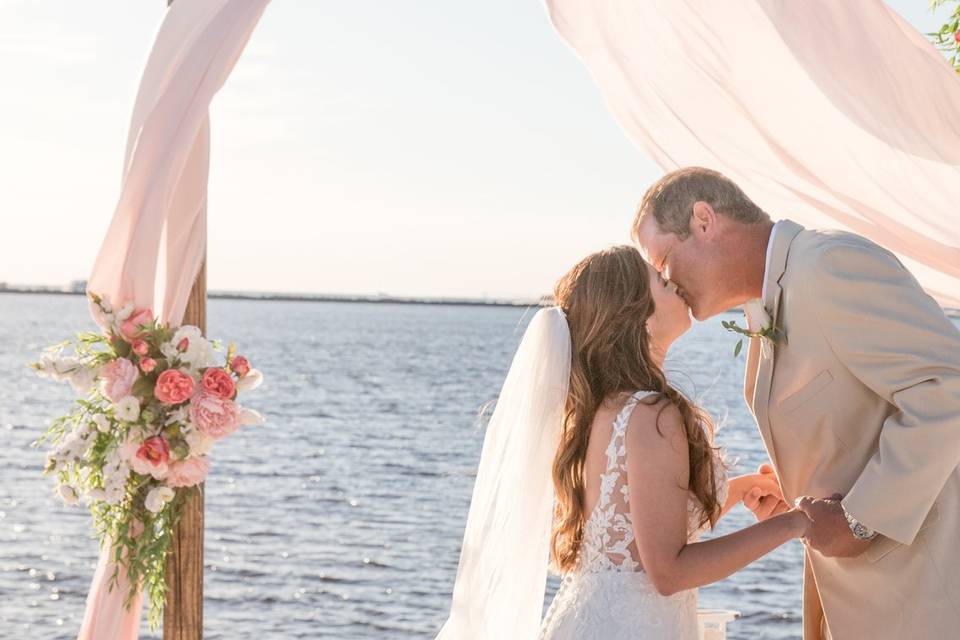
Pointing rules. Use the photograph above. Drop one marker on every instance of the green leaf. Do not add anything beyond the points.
(738, 348)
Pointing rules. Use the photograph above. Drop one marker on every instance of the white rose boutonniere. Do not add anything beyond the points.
(760, 326)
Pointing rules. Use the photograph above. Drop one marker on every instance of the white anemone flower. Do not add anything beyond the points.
(251, 381)
(127, 409)
(158, 497)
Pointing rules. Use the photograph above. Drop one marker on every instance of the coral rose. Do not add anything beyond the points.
(154, 450)
(147, 364)
(130, 328)
(149, 458)
(140, 347)
(218, 382)
(173, 387)
(240, 366)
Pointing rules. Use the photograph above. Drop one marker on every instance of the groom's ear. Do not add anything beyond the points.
(703, 221)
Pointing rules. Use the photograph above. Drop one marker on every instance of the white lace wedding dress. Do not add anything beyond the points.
(608, 596)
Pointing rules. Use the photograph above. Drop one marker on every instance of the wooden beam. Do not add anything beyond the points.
(183, 610)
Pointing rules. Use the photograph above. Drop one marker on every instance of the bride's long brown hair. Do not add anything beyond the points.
(607, 301)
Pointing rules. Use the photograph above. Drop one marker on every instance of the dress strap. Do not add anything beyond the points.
(617, 449)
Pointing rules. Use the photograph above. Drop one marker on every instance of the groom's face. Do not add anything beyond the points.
(688, 263)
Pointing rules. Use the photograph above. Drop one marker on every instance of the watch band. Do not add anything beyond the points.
(860, 532)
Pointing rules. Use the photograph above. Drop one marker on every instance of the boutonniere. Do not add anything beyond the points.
(767, 333)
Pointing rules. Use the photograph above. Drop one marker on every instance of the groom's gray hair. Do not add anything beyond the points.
(671, 198)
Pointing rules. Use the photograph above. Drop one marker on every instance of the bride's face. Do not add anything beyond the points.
(671, 316)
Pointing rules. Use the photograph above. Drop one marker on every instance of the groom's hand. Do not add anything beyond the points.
(829, 532)
(762, 501)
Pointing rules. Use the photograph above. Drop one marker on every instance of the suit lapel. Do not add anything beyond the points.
(760, 369)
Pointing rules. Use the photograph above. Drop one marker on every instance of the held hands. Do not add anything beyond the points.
(830, 533)
(762, 493)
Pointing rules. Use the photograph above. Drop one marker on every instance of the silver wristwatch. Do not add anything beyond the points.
(860, 532)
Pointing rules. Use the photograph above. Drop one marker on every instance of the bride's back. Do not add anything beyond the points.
(609, 530)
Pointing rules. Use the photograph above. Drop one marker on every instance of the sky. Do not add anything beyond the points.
(433, 148)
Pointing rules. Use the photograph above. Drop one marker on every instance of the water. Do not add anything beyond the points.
(342, 516)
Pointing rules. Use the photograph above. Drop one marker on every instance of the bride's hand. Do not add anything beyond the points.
(760, 492)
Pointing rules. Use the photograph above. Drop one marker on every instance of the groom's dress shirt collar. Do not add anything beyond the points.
(754, 309)
(766, 268)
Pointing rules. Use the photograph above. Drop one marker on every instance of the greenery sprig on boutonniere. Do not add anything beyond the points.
(769, 332)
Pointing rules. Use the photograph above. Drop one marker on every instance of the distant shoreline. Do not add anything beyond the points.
(293, 297)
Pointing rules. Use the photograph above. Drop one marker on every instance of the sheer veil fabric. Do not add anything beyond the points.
(501, 579)
(833, 114)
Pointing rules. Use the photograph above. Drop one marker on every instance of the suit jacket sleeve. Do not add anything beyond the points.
(898, 342)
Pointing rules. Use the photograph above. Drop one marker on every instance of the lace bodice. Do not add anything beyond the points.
(608, 595)
(608, 533)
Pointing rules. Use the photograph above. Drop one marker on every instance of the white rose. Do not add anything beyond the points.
(127, 409)
(169, 351)
(199, 353)
(757, 316)
(102, 422)
(68, 494)
(251, 417)
(158, 497)
(250, 381)
(199, 442)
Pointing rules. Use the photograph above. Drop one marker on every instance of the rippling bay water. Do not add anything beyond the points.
(342, 516)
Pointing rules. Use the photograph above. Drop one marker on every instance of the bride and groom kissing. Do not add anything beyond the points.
(594, 464)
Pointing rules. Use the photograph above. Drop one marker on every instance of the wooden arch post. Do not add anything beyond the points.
(183, 609)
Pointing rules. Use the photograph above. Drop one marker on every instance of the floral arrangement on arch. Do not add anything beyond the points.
(154, 400)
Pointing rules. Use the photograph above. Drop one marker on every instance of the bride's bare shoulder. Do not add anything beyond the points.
(655, 423)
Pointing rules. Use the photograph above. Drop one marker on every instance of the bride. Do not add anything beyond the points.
(594, 464)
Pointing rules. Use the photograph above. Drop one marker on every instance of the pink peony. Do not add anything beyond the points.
(217, 417)
(140, 347)
(218, 382)
(147, 364)
(173, 387)
(117, 378)
(130, 329)
(186, 473)
(240, 366)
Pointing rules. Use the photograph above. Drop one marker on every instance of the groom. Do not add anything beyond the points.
(853, 375)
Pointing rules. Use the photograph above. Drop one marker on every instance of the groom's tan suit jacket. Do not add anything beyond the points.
(862, 397)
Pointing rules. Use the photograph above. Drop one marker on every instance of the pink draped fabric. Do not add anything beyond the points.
(105, 616)
(156, 241)
(834, 114)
